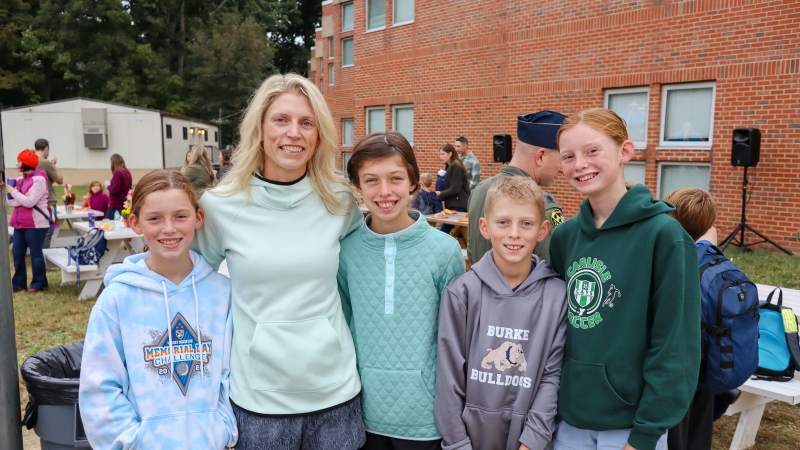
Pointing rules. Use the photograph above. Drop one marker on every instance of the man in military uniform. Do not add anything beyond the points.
(535, 156)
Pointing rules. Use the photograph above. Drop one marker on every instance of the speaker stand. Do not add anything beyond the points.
(744, 226)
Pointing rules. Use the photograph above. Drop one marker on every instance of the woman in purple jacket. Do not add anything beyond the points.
(30, 219)
(121, 182)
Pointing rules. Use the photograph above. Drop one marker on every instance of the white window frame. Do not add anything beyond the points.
(344, 134)
(354, 52)
(637, 163)
(661, 164)
(637, 144)
(394, 13)
(662, 144)
(366, 19)
(344, 164)
(374, 108)
(394, 116)
(330, 74)
(342, 15)
(330, 47)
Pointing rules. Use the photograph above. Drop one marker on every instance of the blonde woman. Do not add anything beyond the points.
(278, 218)
(199, 171)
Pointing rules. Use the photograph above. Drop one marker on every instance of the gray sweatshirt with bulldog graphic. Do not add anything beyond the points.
(499, 358)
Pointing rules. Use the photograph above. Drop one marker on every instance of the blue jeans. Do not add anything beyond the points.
(568, 437)
(33, 239)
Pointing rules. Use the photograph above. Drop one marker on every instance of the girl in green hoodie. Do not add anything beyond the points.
(392, 273)
(632, 350)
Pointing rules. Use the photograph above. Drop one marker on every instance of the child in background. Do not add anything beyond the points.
(156, 357)
(632, 353)
(95, 198)
(391, 304)
(426, 200)
(501, 332)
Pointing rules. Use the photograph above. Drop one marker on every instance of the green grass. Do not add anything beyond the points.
(56, 317)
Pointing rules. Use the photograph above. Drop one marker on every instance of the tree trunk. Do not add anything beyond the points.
(182, 49)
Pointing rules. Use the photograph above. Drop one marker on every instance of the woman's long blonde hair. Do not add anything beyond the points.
(249, 155)
(200, 156)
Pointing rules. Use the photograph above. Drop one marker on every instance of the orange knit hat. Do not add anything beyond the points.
(28, 158)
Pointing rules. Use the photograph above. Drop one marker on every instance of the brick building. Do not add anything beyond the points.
(684, 74)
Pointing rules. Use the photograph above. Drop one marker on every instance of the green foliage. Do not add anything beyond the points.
(181, 56)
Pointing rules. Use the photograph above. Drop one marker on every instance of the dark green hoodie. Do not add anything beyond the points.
(632, 353)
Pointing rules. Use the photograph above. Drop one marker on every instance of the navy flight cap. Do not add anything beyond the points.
(539, 129)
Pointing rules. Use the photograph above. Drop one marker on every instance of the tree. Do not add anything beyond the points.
(14, 18)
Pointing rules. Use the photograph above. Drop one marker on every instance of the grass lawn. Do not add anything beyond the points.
(55, 317)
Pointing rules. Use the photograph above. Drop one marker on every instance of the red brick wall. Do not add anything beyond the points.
(470, 67)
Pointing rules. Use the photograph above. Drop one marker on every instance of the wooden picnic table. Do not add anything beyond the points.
(458, 226)
(63, 237)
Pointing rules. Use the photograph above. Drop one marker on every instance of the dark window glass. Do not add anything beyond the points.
(169, 131)
(185, 134)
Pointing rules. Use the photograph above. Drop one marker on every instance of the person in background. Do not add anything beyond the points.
(42, 147)
(426, 201)
(200, 172)
(440, 185)
(471, 163)
(456, 183)
(30, 221)
(536, 156)
(121, 182)
(187, 160)
(95, 198)
(224, 164)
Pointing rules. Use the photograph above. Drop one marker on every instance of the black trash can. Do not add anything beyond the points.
(52, 377)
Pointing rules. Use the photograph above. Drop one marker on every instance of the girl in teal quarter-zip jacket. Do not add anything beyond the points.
(392, 273)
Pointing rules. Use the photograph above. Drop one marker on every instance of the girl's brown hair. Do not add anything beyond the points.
(161, 180)
(379, 146)
(601, 119)
(117, 162)
(91, 185)
(448, 148)
(200, 156)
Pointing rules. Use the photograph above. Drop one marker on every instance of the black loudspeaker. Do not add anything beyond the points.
(746, 147)
(501, 143)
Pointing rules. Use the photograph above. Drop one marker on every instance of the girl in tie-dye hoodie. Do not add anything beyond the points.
(155, 366)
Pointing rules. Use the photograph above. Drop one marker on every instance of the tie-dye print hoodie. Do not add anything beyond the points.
(134, 392)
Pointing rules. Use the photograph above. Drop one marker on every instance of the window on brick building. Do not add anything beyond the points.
(687, 115)
(347, 52)
(348, 132)
(376, 14)
(403, 121)
(631, 105)
(330, 74)
(673, 176)
(347, 16)
(330, 47)
(402, 11)
(376, 119)
(634, 172)
(345, 159)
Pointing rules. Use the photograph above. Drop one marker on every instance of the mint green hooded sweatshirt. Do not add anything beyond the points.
(391, 286)
(292, 351)
(632, 351)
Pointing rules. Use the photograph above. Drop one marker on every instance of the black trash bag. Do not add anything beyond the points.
(52, 377)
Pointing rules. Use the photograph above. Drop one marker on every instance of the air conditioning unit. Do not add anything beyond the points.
(95, 127)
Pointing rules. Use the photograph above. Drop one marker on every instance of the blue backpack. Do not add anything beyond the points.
(778, 348)
(87, 250)
(729, 322)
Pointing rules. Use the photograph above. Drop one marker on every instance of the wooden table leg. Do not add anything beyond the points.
(747, 428)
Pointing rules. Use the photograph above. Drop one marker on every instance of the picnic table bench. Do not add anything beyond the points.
(757, 393)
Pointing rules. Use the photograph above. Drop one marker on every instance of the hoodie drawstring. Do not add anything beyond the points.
(199, 337)
(169, 329)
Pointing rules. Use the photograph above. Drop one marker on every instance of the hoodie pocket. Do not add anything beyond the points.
(395, 397)
(302, 356)
(587, 398)
(193, 430)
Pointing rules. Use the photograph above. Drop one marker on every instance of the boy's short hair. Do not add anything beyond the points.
(517, 189)
(694, 209)
(463, 140)
(426, 179)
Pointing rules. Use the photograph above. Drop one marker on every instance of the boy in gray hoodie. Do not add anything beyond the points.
(501, 333)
